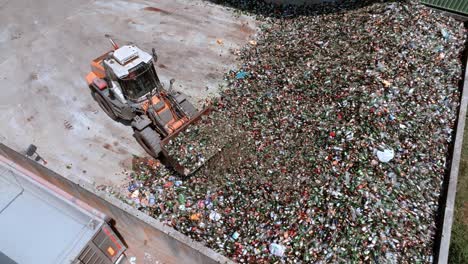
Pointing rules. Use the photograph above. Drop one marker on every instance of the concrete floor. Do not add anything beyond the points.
(45, 50)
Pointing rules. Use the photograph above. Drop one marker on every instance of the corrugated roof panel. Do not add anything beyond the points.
(458, 6)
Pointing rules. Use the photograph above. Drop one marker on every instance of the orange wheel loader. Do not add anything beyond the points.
(126, 86)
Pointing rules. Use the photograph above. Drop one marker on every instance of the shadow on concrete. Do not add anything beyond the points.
(266, 9)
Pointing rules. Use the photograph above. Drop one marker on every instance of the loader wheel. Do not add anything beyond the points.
(150, 140)
(105, 106)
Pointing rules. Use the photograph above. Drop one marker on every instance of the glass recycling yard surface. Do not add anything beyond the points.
(341, 120)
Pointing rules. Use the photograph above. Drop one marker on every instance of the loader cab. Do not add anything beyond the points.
(140, 81)
(132, 71)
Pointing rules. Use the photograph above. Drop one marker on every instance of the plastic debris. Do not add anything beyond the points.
(386, 155)
(277, 249)
(235, 235)
(195, 217)
(241, 75)
(152, 200)
(215, 216)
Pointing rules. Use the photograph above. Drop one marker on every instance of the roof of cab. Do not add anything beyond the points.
(126, 58)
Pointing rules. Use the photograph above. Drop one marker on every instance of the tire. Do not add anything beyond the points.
(106, 107)
(149, 140)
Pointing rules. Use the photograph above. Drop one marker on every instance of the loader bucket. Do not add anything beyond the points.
(179, 168)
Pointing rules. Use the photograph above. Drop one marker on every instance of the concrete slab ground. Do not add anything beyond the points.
(45, 50)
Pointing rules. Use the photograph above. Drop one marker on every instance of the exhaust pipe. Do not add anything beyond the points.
(114, 45)
(155, 56)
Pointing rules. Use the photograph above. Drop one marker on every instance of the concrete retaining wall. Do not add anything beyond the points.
(451, 190)
(143, 235)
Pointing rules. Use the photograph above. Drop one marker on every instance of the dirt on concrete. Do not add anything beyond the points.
(45, 50)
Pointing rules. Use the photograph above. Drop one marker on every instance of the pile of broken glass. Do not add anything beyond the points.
(341, 125)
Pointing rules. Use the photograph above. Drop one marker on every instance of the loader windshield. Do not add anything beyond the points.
(140, 81)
